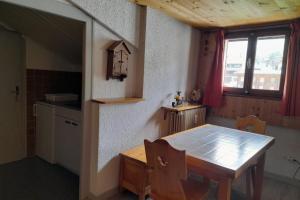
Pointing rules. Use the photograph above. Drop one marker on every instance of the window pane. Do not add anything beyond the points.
(235, 62)
(268, 63)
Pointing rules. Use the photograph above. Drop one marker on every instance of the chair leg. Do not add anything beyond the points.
(142, 196)
(121, 189)
(206, 180)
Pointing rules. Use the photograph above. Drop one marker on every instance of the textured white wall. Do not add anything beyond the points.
(63, 1)
(170, 48)
(102, 39)
(287, 144)
(120, 16)
(170, 60)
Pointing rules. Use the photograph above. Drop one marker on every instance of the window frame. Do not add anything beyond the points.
(252, 36)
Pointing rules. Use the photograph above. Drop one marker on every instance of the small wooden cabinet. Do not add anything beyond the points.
(133, 172)
(184, 117)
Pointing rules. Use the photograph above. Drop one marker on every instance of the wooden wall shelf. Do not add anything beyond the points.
(118, 100)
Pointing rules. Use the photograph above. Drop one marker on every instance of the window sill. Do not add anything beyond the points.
(254, 96)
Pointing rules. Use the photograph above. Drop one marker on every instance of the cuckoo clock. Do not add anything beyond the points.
(118, 57)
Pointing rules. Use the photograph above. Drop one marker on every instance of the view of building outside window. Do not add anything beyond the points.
(267, 66)
(268, 63)
(235, 62)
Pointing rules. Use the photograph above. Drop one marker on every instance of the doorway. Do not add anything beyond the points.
(39, 165)
(12, 129)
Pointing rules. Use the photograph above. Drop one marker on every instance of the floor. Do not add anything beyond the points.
(273, 190)
(35, 179)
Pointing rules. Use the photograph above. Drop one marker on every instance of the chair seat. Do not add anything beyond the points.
(195, 190)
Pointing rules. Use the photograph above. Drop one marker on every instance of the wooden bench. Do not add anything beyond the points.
(133, 172)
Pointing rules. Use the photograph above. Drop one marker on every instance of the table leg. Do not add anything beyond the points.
(121, 172)
(224, 190)
(142, 196)
(249, 183)
(258, 178)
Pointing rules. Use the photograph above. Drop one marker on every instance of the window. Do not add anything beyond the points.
(254, 63)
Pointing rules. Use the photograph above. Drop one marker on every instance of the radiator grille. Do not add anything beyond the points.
(180, 121)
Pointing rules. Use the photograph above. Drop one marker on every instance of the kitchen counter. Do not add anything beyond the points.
(74, 105)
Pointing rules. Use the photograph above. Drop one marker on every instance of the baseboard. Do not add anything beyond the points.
(105, 195)
(284, 179)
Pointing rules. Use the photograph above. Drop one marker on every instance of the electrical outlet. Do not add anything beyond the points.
(297, 177)
(292, 159)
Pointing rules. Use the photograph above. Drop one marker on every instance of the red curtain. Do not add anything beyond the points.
(290, 105)
(214, 86)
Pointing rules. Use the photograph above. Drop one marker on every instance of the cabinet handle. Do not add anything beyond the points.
(67, 122)
(74, 124)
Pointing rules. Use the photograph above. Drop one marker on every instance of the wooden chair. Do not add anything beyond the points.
(168, 174)
(253, 124)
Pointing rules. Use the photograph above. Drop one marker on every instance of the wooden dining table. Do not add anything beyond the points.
(220, 154)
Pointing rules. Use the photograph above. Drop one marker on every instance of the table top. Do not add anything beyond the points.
(217, 146)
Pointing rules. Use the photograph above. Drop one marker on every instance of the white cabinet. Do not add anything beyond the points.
(45, 114)
(68, 140)
(58, 135)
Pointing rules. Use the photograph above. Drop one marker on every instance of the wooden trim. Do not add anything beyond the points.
(252, 95)
(118, 100)
(250, 55)
(257, 26)
(258, 29)
(181, 108)
(267, 109)
(237, 91)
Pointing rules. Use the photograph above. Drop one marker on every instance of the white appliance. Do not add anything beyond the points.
(45, 119)
(58, 135)
(68, 138)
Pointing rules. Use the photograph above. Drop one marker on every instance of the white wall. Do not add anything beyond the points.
(287, 143)
(102, 39)
(39, 57)
(119, 16)
(169, 65)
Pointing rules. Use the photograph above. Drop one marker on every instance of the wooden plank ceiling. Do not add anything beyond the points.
(226, 13)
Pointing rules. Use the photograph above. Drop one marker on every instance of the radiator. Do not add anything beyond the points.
(187, 119)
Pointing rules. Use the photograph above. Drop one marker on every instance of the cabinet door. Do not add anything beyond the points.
(45, 132)
(67, 143)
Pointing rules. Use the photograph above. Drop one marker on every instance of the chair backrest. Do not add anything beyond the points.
(251, 123)
(167, 168)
